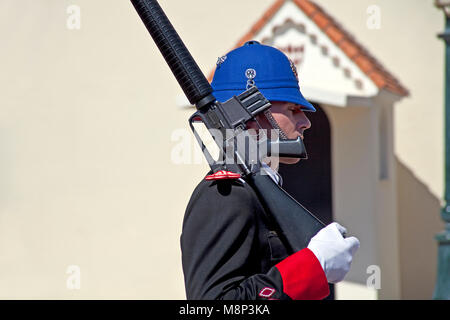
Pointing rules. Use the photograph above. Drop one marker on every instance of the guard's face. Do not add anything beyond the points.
(292, 120)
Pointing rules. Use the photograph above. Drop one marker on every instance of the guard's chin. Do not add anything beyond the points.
(289, 160)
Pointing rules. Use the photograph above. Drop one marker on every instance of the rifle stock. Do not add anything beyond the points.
(296, 224)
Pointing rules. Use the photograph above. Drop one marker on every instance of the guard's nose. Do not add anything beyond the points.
(303, 122)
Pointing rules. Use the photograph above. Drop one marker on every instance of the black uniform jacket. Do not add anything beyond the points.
(230, 249)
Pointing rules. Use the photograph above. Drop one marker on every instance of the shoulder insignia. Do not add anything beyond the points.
(222, 174)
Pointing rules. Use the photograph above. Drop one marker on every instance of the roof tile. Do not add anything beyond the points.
(321, 20)
(378, 79)
(334, 34)
(363, 63)
(350, 49)
(307, 7)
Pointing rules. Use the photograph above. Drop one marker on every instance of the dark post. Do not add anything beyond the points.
(442, 288)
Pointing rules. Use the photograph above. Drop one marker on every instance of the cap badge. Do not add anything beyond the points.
(250, 74)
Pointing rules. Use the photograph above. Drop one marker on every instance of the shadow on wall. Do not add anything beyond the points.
(419, 221)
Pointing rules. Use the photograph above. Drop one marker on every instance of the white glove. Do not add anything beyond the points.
(333, 251)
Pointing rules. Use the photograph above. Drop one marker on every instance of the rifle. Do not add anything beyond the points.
(295, 223)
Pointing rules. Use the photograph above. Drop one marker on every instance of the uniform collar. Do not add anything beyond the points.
(273, 174)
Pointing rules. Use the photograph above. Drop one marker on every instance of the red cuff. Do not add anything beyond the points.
(303, 276)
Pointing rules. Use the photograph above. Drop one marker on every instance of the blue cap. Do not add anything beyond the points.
(269, 69)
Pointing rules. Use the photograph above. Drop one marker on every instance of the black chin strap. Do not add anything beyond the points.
(274, 124)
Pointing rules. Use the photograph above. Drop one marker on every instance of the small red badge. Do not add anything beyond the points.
(222, 174)
(267, 292)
